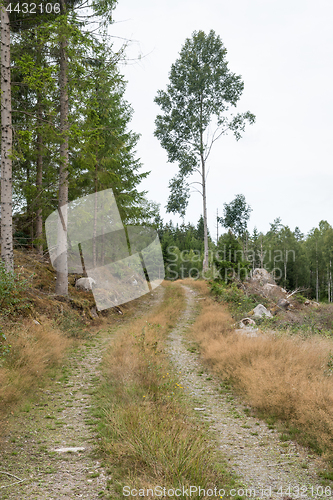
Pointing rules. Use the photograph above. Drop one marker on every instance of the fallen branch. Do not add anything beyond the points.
(297, 291)
(12, 475)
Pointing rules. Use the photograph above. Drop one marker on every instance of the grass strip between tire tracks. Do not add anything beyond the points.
(149, 436)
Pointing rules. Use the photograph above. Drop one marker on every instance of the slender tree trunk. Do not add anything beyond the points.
(82, 261)
(95, 221)
(7, 254)
(39, 175)
(62, 267)
(217, 226)
(103, 244)
(285, 267)
(30, 207)
(330, 299)
(205, 261)
(204, 196)
(39, 179)
(317, 275)
(328, 285)
(261, 254)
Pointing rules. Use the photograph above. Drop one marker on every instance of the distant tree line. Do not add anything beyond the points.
(297, 261)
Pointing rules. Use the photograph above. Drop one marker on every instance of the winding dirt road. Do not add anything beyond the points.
(52, 446)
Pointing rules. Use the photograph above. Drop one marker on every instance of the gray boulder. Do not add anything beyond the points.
(246, 322)
(283, 304)
(85, 284)
(261, 311)
(260, 274)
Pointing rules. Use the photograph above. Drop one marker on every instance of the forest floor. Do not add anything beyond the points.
(49, 450)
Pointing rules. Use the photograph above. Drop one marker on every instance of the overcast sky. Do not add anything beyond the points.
(284, 51)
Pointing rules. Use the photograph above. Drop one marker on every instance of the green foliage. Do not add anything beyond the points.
(12, 290)
(182, 248)
(300, 298)
(200, 229)
(236, 299)
(229, 260)
(236, 215)
(101, 145)
(104, 154)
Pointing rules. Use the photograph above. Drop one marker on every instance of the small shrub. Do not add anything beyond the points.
(12, 287)
(329, 369)
(300, 298)
(238, 302)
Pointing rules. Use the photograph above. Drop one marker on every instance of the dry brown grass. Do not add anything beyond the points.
(34, 349)
(281, 376)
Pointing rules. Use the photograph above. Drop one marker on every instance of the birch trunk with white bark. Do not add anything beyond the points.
(7, 254)
(204, 197)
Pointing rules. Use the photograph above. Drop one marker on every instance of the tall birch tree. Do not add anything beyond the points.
(197, 99)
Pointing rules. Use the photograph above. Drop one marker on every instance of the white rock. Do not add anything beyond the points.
(85, 284)
(261, 311)
(260, 274)
(246, 322)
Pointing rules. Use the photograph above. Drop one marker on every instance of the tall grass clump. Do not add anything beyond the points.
(148, 436)
(287, 377)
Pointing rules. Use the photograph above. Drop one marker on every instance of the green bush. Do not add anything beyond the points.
(238, 302)
(12, 287)
(229, 262)
(300, 298)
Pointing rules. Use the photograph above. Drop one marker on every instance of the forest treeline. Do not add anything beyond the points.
(101, 144)
(65, 122)
(297, 261)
